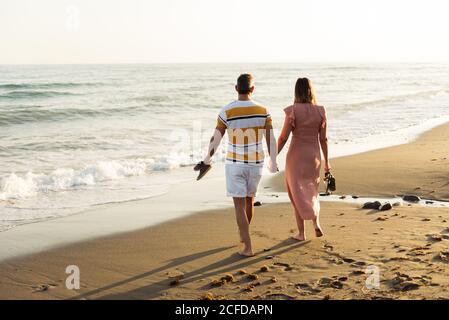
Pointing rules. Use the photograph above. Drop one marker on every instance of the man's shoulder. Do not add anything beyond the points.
(240, 104)
(230, 105)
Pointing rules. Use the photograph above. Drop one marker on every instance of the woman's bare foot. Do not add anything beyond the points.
(299, 237)
(246, 253)
(319, 233)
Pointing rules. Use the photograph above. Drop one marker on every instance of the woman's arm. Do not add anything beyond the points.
(286, 130)
(325, 147)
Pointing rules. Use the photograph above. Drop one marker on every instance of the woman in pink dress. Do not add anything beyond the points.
(307, 123)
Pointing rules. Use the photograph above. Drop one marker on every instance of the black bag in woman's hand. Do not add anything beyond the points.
(331, 185)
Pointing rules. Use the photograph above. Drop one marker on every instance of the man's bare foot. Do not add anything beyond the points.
(246, 253)
(299, 237)
(319, 233)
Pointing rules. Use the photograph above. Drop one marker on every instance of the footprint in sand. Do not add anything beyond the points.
(279, 296)
(286, 266)
(403, 282)
(44, 287)
(434, 238)
(306, 288)
(330, 283)
(357, 272)
(443, 256)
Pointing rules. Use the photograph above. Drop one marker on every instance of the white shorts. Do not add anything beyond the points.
(242, 181)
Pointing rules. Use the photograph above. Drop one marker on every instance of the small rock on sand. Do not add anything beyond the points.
(411, 198)
(355, 197)
(253, 276)
(228, 278)
(207, 296)
(257, 204)
(264, 269)
(217, 283)
(386, 207)
(372, 205)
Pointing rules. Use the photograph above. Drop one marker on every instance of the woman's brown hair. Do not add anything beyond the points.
(304, 92)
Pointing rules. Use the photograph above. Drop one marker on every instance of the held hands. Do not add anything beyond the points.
(272, 166)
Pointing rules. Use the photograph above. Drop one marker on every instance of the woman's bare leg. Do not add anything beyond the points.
(318, 231)
(243, 224)
(301, 236)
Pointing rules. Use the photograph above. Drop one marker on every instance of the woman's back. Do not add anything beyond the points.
(306, 120)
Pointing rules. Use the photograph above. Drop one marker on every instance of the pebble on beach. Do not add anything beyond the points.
(411, 198)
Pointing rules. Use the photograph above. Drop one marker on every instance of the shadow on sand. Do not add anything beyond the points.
(153, 290)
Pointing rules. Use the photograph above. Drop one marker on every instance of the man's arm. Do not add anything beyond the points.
(214, 143)
(272, 147)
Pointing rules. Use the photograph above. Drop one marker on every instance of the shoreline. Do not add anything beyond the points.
(209, 194)
(183, 174)
(408, 243)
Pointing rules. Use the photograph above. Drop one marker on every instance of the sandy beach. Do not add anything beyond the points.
(194, 257)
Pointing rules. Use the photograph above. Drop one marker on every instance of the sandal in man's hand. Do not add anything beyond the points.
(203, 169)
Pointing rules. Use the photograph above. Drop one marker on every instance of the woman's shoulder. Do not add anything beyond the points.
(322, 111)
(289, 109)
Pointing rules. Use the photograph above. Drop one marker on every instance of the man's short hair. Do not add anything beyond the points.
(244, 83)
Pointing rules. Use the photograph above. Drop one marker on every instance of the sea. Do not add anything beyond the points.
(73, 137)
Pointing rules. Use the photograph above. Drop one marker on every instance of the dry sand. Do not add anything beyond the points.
(187, 258)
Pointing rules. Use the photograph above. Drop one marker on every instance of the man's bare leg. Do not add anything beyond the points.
(249, 208)
(243, 224)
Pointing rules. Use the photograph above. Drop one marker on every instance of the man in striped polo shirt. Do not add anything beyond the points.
(246, 122)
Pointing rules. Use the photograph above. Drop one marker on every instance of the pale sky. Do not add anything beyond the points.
(154, 31)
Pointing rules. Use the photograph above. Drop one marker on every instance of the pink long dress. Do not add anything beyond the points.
(303, 165)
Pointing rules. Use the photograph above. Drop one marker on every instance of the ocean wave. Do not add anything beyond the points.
(398, 99)
(26, 115)
(40, 114)
(16, 186)
(48, 85)
(35, 94)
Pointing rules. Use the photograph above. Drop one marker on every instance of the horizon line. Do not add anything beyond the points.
(226, 63)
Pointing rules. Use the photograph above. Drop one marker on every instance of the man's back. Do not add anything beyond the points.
(245, 122)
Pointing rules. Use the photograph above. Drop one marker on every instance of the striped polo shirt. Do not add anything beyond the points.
(245, 122)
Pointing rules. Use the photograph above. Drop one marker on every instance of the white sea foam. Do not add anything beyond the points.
(15, 186)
